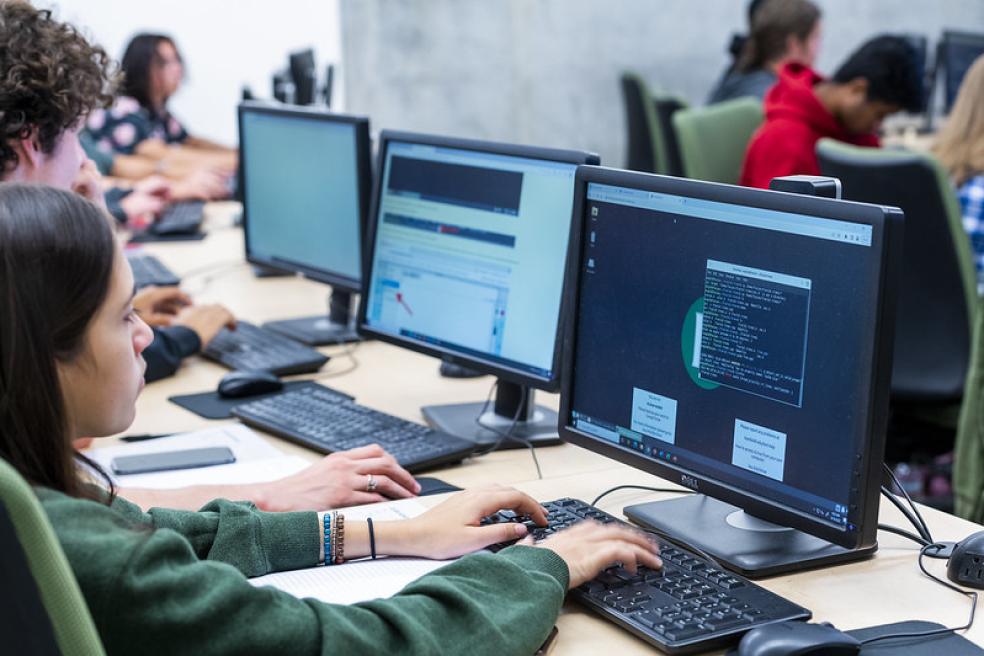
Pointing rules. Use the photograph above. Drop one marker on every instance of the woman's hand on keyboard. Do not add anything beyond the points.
(453, 528)
(589, 547)
(340, 480)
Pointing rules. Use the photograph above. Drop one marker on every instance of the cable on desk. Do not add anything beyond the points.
(604, 494)
(922, 522)
(506, 435)
(925, 634)
(904, 533)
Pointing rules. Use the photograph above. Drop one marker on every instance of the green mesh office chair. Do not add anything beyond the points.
(43, 611)
(713, 139)
(650, 138)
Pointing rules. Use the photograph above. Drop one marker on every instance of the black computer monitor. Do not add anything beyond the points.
(738, 342)
(955, 54)
(465, 260)
(305, 183)
(302, 73)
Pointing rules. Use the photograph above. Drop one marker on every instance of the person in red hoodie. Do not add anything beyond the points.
(879, 79)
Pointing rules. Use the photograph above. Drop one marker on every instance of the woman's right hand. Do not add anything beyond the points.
(202, 184)
(590, 547)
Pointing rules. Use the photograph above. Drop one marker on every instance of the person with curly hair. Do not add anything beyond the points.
(51, 78)
(139, 125)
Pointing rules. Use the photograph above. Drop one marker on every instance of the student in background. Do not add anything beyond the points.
(782, 31)
(49, 82)
(960, 149)
(141, 134)
(170, 581)
(877, 80)
(59, 79)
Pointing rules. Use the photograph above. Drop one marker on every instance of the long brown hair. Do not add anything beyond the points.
(960, 146)
(773, 22)
(56, 262)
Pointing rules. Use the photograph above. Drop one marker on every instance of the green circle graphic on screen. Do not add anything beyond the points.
(688, 337)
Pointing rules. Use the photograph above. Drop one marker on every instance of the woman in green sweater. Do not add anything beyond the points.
(174, 582)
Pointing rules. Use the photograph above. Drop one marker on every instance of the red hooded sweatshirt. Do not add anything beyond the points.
(794, 121)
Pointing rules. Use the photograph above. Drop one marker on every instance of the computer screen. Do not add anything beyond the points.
(733, 340)
(305, 190)
(957, 51)
(468, 246)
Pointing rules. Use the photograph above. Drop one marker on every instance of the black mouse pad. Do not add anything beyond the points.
(149, 237)
(211, 406)
(430, 485)
(951, 644)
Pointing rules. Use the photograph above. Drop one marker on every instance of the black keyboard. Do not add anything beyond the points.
(179, 218)
(688, 606)
(250, 347)
(327, 421)
(148, 270)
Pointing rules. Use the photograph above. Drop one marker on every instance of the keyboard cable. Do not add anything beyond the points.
(506, 435)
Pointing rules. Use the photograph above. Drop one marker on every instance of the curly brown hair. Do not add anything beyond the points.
(51, 77)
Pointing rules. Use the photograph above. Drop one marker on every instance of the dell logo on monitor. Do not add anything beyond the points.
(689, 481)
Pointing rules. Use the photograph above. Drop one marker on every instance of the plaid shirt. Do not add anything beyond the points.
(971, 195)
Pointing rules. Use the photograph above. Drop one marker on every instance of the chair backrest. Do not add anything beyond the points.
(713, 139)
(938, 293)
(640, 122)
(666, 107)
(968, 450)
(68, 616)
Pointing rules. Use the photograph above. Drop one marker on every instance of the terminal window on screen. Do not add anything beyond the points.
(470, 252)
(725, 348)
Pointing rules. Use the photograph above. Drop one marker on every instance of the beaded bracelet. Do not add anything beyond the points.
(339, 541)
(327, 526)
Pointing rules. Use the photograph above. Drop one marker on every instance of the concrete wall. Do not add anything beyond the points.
(546, 71)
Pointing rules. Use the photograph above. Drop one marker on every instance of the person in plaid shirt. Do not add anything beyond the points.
(960, 148)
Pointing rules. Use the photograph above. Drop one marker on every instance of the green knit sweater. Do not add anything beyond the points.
(174, 582)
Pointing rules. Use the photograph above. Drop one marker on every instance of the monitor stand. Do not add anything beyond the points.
(741, 542)
(261, 271)
(535, 424)
(338, 327)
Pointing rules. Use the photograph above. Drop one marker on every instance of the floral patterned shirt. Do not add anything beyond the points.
(121, 128)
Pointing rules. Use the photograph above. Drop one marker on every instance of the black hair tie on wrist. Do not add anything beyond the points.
(372, 539)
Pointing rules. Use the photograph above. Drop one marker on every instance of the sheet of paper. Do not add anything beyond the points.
(360, 580)
(256, 459)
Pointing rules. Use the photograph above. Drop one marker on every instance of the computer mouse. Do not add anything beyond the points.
(797, 639)
(240, 384)
(452, 370)
(966, 564)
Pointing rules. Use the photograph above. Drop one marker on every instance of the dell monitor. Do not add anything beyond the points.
(466, 255)
(305, 184)
(737, 342)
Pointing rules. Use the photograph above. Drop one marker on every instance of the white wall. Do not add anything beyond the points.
(225, 44)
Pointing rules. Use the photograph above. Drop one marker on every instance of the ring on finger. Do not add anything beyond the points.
(371, 483)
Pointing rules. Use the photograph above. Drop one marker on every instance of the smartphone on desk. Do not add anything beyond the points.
(170, 460)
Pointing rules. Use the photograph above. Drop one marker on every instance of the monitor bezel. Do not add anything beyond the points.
(363, 177)
(488, 366)
(865, 517)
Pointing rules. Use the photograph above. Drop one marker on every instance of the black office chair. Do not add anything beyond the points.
(938, 295)
(650, 138)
